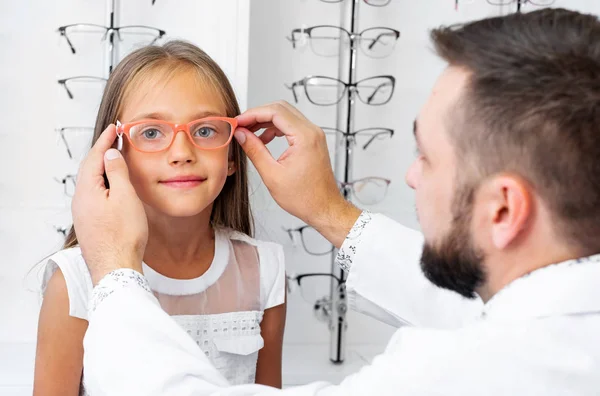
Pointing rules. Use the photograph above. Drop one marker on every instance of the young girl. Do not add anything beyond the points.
(224, 288)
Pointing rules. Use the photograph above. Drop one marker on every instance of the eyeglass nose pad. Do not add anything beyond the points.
(353, 92)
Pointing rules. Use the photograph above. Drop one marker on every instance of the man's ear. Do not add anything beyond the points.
(510, 204)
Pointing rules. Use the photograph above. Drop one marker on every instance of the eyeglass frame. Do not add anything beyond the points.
(123, 129)
(352, 36)
(298, 278)
(341, 283)
(300, 230)
(62, 30)
(349, 186)
(353, 134)
(366, 2)
(347, 87)
(520, 3)
(64, 180)
(61, 131)
(63, 82)
(61, 230)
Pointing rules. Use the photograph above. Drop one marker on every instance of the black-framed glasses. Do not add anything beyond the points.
(313, 242)
(327, 91)
(368, 190)
(325, 40)
(363, 137)
(315, 286)
(67, 83)
(519, 3)
(151, 34)
(374, 3)
(62, 230)
(69, 184)
(77, 140)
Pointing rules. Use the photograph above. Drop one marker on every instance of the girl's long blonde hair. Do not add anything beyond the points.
(231, 209)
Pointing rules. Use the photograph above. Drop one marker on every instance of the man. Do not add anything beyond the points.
(507, 188)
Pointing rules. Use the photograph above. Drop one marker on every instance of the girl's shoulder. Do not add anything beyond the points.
(234, 235)
(271, 264)
(77, 278)
(269, 253)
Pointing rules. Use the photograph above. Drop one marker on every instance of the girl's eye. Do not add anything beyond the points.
(151, 133)
(205, 132)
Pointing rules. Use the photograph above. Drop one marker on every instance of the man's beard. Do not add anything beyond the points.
(455, 263)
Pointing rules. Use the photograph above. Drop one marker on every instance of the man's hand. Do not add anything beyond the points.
(301, 181)
(110, 224)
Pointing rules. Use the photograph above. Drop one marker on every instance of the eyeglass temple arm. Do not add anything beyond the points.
(64, 84)
(64, 34)
(380, 86)
(390, 132)
(61, 230)
(289, 232)
(292, 37)
(377, 39)
(293, 89)
(370, 141)
(62, 136)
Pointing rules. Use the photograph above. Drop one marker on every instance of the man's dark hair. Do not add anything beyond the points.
(532, 107)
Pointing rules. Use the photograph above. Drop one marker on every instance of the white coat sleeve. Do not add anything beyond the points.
(385, 280)
(132, 347)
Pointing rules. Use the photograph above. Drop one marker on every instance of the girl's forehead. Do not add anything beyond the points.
(178, 89)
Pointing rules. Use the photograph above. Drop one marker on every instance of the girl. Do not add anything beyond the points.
(224, 288)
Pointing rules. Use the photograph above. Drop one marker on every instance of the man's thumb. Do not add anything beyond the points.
(116, 169)
(256, 151)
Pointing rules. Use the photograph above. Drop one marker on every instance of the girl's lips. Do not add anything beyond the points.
(183, 182)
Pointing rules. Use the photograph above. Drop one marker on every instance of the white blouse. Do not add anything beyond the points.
(221, 310)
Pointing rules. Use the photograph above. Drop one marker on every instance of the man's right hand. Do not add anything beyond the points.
(301, 180)
(111, 224)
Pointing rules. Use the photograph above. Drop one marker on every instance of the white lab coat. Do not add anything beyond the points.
(538, 336)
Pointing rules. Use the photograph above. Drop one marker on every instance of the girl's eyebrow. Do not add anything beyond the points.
(164, 116)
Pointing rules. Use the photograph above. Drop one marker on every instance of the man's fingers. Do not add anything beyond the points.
(105, 140)
(258, 127)
(292, 109)
(269, 134)
(277, 114)
(257, 152)
(116, 171)
(92, 167)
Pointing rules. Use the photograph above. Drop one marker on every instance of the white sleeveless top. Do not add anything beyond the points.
(221, 310)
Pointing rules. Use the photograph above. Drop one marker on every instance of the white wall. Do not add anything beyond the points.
(32, 105)
(273, 62)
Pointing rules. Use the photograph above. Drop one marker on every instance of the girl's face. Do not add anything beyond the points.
(182, 181)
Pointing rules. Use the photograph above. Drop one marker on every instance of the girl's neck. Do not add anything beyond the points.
(181, 248)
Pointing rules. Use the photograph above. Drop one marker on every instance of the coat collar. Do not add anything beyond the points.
(568, 288)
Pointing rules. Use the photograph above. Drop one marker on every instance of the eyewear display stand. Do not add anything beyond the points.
(338, 322)
(111, 51)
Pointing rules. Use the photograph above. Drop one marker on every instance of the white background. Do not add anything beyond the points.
(247, 39)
